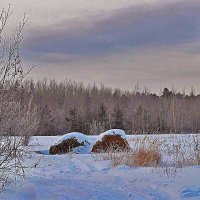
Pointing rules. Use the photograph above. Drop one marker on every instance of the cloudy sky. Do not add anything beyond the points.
(119, 43)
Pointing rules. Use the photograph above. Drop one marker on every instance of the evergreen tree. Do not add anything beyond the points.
(166, 93)
(102, 117)
(47, 122)
(117, 118)
(75, 122)
(72, 119)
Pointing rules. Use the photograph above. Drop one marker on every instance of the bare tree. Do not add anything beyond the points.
(17, 124)
(11, 67)
(17, 120)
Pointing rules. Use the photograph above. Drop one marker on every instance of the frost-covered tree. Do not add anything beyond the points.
(47, 122)
(18, 120)
(74, 121)
(117, 118)
(102, 117)
(96, 128)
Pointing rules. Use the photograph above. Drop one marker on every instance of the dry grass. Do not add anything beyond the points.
(169, 155)
(141, 158)
(146, 154)
(187, 153)
(196, 141)
(181, 152)
(146, 158)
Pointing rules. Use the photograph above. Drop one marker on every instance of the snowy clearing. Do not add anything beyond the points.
(80, 176)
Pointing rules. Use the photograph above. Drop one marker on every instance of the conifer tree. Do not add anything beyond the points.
(117, 118)
(102, 117)
(47, 122)
(72, 120)
(75, 121)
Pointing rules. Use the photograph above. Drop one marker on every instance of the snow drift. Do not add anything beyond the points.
(71, 142)
(111, 140)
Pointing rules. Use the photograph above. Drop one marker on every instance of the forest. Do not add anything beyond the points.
(69, 106)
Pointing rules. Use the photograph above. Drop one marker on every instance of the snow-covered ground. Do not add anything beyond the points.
(81, 177)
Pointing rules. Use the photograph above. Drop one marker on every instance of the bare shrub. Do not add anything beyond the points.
(196, 141)
(17, 124)
(12, 70)
(187, 153)
(167, 171)
(145, 142)
(18, 121)
(11, 161)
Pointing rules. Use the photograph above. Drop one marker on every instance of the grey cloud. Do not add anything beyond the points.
(155, 68)
(157, 46)
(174, 24)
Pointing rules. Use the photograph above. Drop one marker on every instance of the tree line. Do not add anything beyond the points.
(70, 106)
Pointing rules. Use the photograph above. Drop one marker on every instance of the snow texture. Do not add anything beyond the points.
(79, 176)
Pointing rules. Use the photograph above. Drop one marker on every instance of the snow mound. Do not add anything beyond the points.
(81, 138)
(112, 132)
(111, 140)
(77, 143)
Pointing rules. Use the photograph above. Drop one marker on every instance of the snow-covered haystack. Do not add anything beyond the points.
(111, 140)
(71, 142)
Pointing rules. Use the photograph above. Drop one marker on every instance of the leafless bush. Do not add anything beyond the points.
(17, 124)
(196, 141)
(11, 67)
(18, 121)
(11, 160)
(169, 171)
(186, 153)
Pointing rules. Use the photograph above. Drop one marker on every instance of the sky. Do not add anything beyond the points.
(151, 43)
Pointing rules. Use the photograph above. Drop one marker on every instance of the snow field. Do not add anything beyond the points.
(79, 176)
